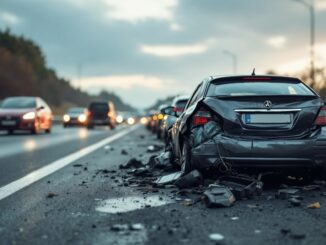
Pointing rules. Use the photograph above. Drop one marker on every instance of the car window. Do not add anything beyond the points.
(99, 107)
(19, 103)
(258, 88)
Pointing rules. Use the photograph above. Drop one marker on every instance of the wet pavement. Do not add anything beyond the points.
(93, 201)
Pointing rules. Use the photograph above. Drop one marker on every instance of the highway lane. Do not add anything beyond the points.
(23, 153)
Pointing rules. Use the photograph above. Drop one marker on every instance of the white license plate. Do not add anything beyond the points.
(267, 118)
(8, 123)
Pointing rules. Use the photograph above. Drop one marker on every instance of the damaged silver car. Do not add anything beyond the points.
(251, 122)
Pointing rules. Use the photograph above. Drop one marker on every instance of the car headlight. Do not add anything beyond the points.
(66, 118)
(160, 116)
(143, 120)
(131, 121)
(119, 119)
(29, 115)
(82, 118)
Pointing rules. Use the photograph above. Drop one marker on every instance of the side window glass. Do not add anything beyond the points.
(195, 96)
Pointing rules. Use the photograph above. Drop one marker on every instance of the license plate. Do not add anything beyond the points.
(8, 123)
(267, 118)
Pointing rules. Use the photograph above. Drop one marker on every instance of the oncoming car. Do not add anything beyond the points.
(75, 116)
(251, 122)
(25, 113)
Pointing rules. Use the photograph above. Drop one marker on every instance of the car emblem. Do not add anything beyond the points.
(268, 104)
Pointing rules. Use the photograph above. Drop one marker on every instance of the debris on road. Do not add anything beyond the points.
(124, 152)
(294, 201)
(218, 196)
(216, 237)
(315, 205)
(242, 186)
(287, 193)
(132, 163)
(192, 179)
(161, 161)
(169, 178)
(77, 165)
(51, 195)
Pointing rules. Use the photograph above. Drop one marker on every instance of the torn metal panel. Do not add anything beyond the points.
(242, 186)
(218, 196)
(192, 179)
(204, 133)
(161, 161)
(169, 178)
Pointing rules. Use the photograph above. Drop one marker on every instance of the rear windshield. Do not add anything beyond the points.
(99, 107)
(19, 103)
(249, 88)
(181, 103)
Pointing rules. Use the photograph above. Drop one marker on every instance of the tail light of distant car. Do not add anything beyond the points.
(201, 117)
(321, 119)
(88, 113)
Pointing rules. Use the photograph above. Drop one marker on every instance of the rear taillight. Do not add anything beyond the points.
(177, 109)
(201, 117)
(321, 119)
(88, 113)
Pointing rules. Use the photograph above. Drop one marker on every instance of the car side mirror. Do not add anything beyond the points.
(40, 108)
(169, 111)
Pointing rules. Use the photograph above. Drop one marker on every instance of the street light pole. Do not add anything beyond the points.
(234, 60)
(311, 8)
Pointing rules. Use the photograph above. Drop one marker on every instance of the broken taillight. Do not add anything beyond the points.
(321, 119)
(201, 117)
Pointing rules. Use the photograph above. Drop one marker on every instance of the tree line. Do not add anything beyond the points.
(23, 72)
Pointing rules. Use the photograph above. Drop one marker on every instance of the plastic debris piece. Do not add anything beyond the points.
(242, 186)
(192, 179)
(132, 163)
(137, 227)
(286, 193)
(169, 178)
(218, 196)
(119, 227)
(160, 161)
(315, 205)
(295, 201)
(51, 195)
(216, 237)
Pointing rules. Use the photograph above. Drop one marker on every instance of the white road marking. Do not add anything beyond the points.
(50, 168)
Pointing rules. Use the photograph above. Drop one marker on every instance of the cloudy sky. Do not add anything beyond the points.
(148, 49)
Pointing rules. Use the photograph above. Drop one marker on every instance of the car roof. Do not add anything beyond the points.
(251, 77)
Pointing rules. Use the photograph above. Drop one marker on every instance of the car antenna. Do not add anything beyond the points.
(253, 72)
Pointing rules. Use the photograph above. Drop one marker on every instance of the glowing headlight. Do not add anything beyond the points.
(160, 116)
(29, 115)
(143, 120)
(66, 118)
(131, 121)
(119, 119)
(82, 118)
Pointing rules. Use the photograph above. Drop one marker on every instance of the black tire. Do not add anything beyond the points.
(90, 126)
(10, 131)
(34, 131)
(185, 158)
(48, 130)
(64, 125)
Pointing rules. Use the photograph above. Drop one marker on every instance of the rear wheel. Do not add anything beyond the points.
(90, 126)
(10, 131)
(48, 130)
(185, 159)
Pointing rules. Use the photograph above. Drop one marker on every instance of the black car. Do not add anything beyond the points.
(251, 122)
(101, 113)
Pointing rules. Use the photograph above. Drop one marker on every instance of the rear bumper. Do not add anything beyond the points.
(280, 153)
(101, 121)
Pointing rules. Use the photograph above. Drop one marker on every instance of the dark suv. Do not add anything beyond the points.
(101, 113)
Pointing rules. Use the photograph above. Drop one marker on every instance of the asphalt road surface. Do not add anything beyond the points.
(66, 188)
